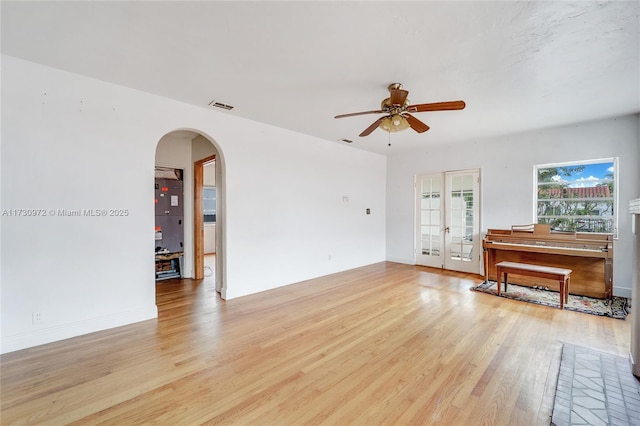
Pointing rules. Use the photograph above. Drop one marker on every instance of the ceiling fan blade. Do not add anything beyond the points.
(352, 114)
(373, 126)
(416, 124)
(398, 96)
(437, 106)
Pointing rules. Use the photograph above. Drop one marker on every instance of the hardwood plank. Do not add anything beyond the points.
(383, 344)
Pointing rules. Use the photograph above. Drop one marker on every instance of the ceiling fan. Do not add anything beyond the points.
(397, 110)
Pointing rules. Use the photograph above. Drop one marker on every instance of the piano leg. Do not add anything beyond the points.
(486, 265)
(608, 278)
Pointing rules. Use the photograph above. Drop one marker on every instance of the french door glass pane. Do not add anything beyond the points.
(461, 217)
(430, 215)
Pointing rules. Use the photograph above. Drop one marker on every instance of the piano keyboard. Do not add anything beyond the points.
(515, 246)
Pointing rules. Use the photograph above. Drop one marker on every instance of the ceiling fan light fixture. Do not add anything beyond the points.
(394, 123)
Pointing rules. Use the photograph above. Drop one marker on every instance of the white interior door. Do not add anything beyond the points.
(462, 222)
(447, 220)
(429, 217)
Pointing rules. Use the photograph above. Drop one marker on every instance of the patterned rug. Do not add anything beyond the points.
(617, 308)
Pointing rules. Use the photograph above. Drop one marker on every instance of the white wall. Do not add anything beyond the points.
(70, 142)
(209, 238)
(506, 165)
(201, 149)
(209, 174)
(288, 195)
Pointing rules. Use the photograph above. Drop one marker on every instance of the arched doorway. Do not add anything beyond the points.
(185, 150)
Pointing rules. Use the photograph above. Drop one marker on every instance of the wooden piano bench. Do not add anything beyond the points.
(559, 274)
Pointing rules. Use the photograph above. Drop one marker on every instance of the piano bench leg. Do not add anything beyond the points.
(564, 291)
(499, 283)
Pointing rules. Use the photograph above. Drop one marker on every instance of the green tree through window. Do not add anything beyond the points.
(577, 196)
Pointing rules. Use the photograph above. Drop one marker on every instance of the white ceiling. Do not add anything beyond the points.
(518, 65)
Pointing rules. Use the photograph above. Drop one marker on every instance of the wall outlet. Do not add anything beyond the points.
(36, 317)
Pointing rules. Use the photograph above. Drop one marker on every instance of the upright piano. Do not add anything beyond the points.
(588, 255)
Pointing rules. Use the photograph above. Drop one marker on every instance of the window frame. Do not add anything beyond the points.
(615, 181)
(204, 190)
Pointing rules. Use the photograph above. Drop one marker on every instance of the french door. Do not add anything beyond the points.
(447, 220)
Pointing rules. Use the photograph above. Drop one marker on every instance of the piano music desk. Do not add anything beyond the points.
(560, 274)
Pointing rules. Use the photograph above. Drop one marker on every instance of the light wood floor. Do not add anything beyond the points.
(386, 344)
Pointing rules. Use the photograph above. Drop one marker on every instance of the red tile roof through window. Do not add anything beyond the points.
(587, 192)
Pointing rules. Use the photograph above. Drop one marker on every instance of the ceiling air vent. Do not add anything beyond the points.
(220, 105)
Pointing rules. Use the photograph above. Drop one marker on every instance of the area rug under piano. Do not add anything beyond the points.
(617, 308)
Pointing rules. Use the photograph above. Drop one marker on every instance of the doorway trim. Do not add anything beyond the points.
(198, 219)
(189, 166)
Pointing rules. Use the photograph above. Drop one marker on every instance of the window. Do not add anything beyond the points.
(209, 204)
(578, 196)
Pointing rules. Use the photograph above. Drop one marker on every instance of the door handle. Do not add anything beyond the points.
(446, 229)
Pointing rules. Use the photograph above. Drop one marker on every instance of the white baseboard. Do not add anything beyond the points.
(622, 292)
(406, 261)
(66, 331)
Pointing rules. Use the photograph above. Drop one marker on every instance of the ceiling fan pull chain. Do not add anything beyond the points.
(389, 133)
